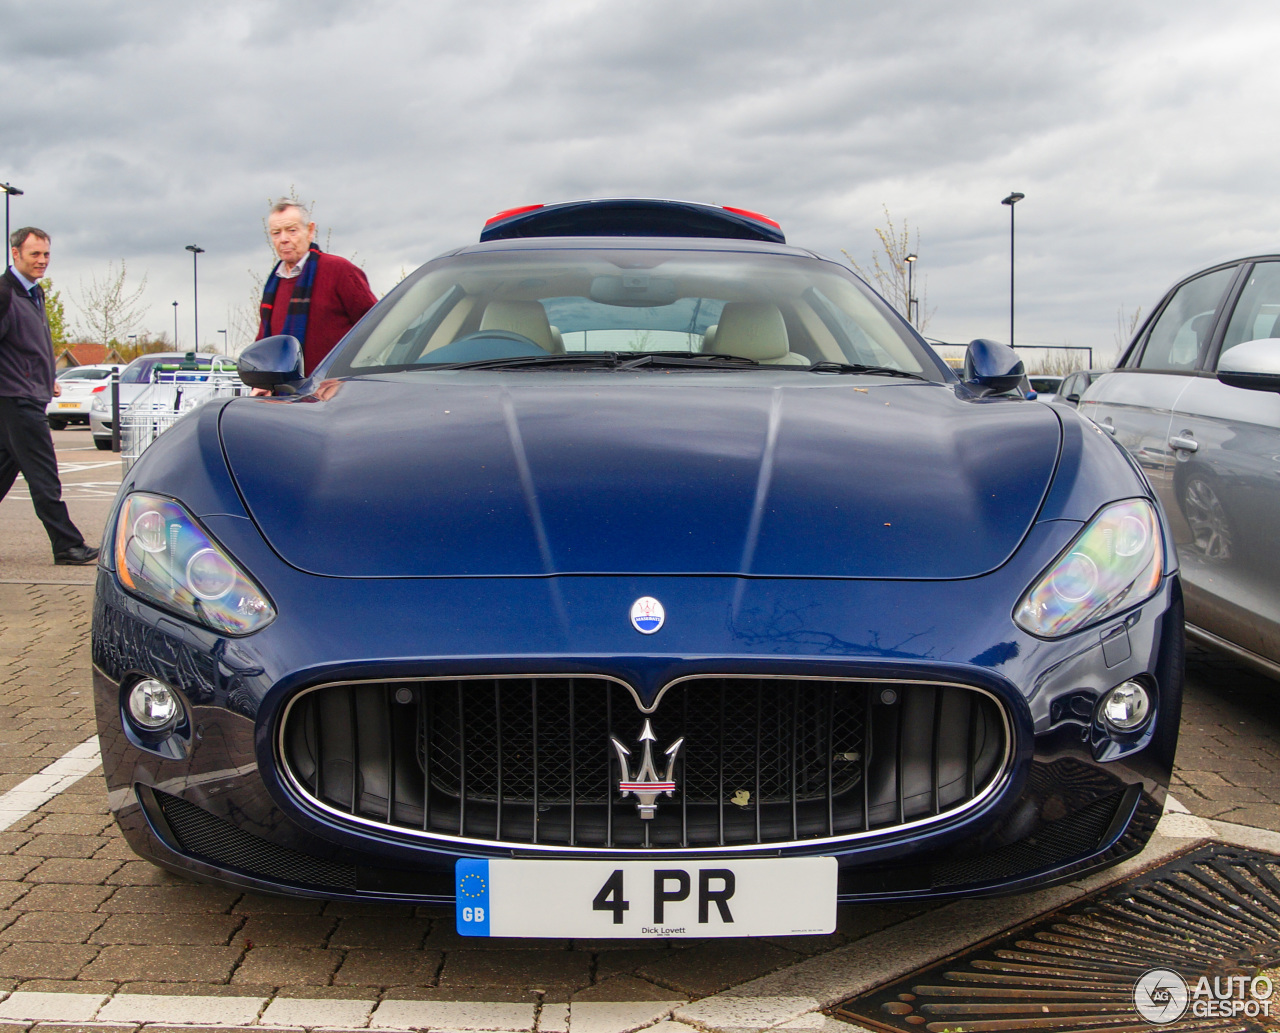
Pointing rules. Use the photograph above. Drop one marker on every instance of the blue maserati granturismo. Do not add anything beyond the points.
(633, 573)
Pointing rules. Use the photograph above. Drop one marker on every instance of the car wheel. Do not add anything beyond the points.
(57, 424)
(1207, 517)
(104, 444)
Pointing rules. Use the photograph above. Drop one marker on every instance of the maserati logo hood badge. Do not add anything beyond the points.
(647, 615)
(645, 783)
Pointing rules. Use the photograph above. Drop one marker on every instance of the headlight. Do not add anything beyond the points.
(165, 556)
(99, 404)
(1115, 562)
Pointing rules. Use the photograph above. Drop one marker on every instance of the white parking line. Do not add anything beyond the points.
(72, 490)
(39, 789)
(76, 467)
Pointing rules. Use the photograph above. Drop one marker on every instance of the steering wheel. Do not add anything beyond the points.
(485, 344)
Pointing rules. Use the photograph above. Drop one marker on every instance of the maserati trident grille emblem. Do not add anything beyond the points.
(645, 783)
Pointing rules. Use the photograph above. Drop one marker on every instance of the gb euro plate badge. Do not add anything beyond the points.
(649, 899)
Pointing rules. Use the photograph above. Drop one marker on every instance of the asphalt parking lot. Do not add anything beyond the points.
(87, 932)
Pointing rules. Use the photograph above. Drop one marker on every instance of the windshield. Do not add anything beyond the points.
(780, 311)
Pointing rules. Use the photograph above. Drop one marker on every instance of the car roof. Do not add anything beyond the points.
(631, 217)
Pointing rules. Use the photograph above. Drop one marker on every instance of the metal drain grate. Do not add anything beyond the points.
(1214, 912)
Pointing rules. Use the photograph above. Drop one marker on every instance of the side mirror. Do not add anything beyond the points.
(1253, 365)
(991, 368)
(271, 362)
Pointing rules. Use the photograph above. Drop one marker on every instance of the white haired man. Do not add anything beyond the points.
(313, 296)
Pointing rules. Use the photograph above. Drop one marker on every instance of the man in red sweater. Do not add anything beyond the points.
(309, 295)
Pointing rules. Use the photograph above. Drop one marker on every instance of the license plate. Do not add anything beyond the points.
(646, 899)
(68, 405)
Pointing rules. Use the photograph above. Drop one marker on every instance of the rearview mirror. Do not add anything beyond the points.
(271, 362)
(1253, 365)
(991, 368)
(635, 289)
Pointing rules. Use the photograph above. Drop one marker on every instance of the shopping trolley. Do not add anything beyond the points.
(175, 390)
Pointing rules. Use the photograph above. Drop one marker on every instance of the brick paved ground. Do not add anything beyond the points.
(1229, 750)
(79, 913)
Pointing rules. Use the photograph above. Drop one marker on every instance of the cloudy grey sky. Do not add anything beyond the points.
(1144, 134)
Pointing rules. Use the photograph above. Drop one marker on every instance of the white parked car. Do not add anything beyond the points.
(79, 385)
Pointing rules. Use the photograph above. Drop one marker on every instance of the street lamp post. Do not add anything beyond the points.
(1011, 200)
(175, 326)
(224, 342)
(196, 252)
(9, 191)
(911, 295)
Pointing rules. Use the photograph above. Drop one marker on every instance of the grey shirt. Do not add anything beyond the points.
(26, 346)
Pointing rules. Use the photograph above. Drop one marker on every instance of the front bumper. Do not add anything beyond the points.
(215, 804)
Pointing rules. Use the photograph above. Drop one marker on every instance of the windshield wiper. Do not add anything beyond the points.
(857, 367)
(602, 360)
(677, 359)
(605, 360)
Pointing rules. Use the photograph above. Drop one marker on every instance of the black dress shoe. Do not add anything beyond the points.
(77, 556)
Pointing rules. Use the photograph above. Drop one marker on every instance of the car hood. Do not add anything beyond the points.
(535, 473)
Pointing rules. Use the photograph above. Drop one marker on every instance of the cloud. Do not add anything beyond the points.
(1140, 133)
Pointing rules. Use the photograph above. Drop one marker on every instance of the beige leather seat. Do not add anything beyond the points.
(527, 318)
(754, 330)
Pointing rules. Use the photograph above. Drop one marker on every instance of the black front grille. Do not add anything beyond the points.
(533, 761)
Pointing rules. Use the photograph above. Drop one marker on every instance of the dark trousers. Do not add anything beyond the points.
(26, 446)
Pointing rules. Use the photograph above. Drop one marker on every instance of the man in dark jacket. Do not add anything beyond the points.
(26, 384)
(310, 295)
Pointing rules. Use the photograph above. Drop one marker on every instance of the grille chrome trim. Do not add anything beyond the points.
(307, 800)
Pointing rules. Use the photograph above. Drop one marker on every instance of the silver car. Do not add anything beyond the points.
(1196, 400)
(134, 380)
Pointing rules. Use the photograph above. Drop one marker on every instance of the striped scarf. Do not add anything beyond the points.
(295, 319)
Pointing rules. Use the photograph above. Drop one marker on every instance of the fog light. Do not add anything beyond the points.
(1126, 707)
(153, 705)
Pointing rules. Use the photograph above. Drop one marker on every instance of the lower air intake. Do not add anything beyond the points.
(211, 839)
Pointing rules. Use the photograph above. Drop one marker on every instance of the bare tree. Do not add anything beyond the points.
(889, 270)
(111, 311)
(1055, 363)
(143, 344)
(1126, 326)
(244, 319)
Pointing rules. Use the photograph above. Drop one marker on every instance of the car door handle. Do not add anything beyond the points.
(1187, 444)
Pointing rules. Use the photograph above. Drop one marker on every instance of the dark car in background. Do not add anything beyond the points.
(1074, 385)
(1196, 400)
(1045, 387)
(687, 593)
